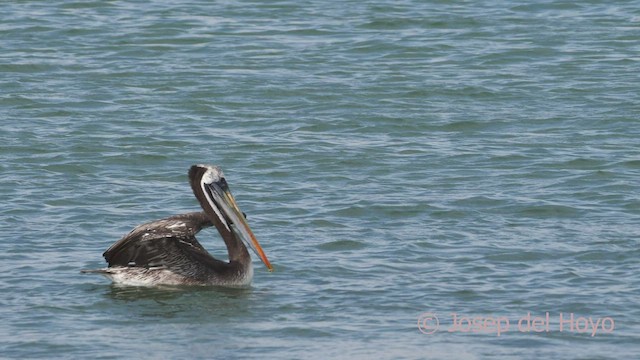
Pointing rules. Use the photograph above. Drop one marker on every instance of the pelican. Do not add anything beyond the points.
(166, 251)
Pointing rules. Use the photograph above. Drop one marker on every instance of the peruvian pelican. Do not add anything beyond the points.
(166, 251)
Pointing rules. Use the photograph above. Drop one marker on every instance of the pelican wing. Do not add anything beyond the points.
(166, 244)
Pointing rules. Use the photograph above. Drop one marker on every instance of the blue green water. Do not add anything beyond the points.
(393, 158)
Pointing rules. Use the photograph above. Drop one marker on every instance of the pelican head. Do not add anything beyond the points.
(211, 189)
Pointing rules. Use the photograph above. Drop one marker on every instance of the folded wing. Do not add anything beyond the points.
(166, 244)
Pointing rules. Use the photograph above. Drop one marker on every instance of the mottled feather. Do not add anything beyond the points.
(168, 246)
(141, 244)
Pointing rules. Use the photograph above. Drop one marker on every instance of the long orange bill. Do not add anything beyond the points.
(229, 206)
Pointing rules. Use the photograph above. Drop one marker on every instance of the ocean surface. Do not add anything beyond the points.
(430, 179)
